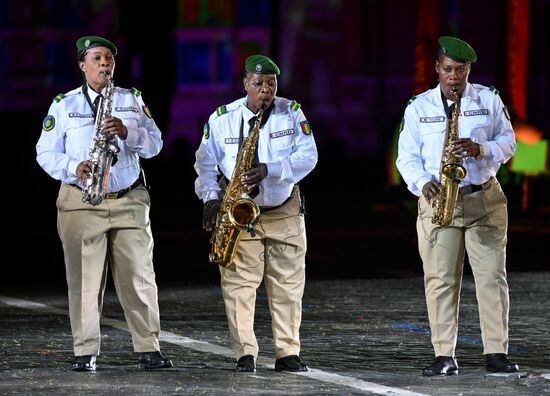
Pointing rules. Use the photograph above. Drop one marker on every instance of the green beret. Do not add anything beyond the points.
(85, 43)
(260, 64)
(457, 49)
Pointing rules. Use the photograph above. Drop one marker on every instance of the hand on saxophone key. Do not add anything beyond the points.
(252, 177)
(464, 147)
(114, 126)
(83, 170)
(430, 190)
(210, 214)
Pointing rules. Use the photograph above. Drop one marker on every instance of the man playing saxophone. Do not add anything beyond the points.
(115, 229)
(479, 220)
(274, 250)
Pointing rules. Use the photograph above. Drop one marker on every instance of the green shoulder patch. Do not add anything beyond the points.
(295, 106)
(206, 130)
(411, 100)
(136, 91)
(493, 89)
(221, 110)
(59, 97)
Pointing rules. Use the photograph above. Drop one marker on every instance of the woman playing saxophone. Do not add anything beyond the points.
(113, 226)
(470, 214)
(272, 247)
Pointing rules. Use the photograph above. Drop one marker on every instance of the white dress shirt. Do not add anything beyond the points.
(483, 118)
(65, 145)
(285, 145)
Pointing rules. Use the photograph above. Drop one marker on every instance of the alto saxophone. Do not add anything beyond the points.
(451, 171)
(102, 151)
(238, 212)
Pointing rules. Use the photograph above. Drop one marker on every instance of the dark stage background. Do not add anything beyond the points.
(351, 64)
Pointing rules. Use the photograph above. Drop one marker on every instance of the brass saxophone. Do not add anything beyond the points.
(451, 171)
(238, 212)
(102, 151)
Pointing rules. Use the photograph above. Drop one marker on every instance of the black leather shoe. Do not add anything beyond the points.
(442, 365)
(290, 363)
(153, 360)
(246, 364)
(84, 363)
(499, 363)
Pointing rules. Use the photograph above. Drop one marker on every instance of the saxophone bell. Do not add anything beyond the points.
(238, 212)
(244, 214)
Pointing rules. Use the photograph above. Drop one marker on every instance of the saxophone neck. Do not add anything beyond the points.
(455, 92)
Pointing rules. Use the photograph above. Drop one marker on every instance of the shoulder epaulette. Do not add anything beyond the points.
(411, 100)
(493, 89)
(221, 110)
(136, 91)
(295, 105)
(59, 97)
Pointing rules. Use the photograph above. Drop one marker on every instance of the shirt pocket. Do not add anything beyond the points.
(230, 145)
(130, 119)
(283, 144)
(479, 128)
(433, 131)
(78, 133)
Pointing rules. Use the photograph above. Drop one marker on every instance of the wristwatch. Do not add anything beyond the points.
(481, 152)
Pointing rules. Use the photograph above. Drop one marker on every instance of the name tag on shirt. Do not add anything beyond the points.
(231, 140)
(279, 134)
(78, 115)
(432, 119)
(478, 112)
(124, 109)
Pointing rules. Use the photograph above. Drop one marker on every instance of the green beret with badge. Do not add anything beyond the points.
(457, 49)
(86, 42)
(260, 64)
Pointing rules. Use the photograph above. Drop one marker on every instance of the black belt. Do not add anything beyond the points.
(470, 188)
(116, 194)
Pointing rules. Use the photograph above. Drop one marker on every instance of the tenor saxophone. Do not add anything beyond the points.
(451, 171)
(102, 151)
(238, 212)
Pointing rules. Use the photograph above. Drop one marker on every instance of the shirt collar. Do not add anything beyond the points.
(247, 113)
(93, 94)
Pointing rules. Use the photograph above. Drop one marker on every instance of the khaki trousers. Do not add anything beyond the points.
(118, 232)
(275, 255)
(479, 228)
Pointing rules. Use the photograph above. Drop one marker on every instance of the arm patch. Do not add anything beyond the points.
(48, 123)
(401, 125)
(306, 128)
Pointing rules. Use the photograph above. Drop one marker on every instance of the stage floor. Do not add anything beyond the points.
(365, 336)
